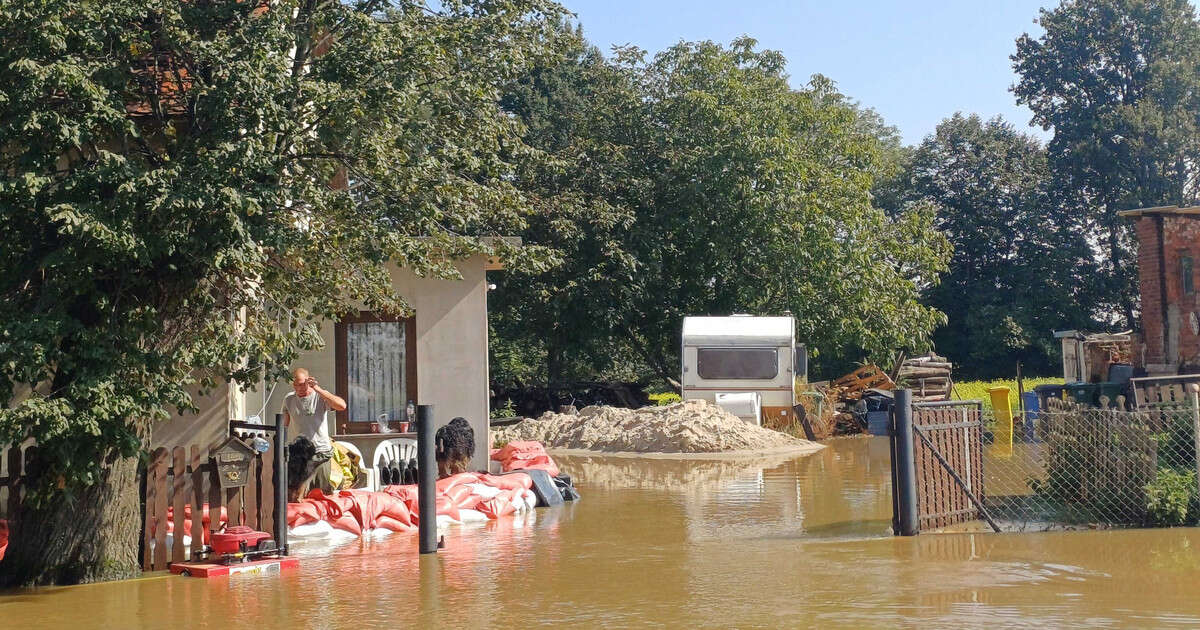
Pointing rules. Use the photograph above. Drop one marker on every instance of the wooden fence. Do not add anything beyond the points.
(181, 478)
(1163, 390)
(165, 494)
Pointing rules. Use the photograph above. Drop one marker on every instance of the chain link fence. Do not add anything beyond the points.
(1088, 467)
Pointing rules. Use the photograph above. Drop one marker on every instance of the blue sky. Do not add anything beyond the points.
(916, 61)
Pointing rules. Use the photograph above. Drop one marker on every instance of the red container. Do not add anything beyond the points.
(230, 540)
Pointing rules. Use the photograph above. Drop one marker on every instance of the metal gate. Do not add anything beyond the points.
(953, 432)
(937, 464)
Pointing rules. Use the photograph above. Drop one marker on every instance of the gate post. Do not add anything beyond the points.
(904, 470)
(281, 484)
(426, 481)
(1194, 394)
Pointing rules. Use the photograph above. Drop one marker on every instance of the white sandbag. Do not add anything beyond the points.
(483, 491)
(319, 529)
(340, 535)
(472, 516)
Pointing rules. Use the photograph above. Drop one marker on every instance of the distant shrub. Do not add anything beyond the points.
(665, 398)
(504, 411)
(1169, 496)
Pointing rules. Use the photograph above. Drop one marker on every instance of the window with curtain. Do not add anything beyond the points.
(376, 364)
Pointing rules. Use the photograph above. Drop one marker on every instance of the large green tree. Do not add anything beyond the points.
(559, 324)
(187, 187)
(1118, 81)
(1021, 265)
(733, 192)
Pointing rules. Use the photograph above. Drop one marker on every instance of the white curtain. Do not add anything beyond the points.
(375, 370)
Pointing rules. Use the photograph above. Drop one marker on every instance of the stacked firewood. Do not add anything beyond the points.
(928, 377)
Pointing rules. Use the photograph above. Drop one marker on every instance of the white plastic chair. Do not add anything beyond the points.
(399, 449)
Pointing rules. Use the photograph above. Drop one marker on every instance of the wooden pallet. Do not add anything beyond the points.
(853, 385)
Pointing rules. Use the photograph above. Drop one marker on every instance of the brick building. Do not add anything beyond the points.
(1168, 254)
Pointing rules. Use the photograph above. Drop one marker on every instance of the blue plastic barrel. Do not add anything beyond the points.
(1032, 404)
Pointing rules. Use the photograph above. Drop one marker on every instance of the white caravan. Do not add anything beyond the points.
(744, 363)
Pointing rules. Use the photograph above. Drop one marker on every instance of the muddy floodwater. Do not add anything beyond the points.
(790, 542)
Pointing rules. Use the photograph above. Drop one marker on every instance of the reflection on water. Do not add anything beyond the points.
(789, 542)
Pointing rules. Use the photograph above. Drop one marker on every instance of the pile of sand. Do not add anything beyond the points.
(693, 426)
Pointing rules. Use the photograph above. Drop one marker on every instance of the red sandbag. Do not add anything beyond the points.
(302, 513)
(444, 484)
(402, 492)
(347, 522)
(206, 524)
(207, 520)
(389, 523)
(3, 537)
(406, 494)
(333, 505)
(393, 508)
(499, 505)
(458, 493)
(369, 506)
(445, 506)
(525, 454)
(508, 482)
(468, 501)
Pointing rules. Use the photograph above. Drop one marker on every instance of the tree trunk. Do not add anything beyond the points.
(89, 535)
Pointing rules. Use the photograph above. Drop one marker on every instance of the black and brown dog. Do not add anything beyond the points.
(455, 445)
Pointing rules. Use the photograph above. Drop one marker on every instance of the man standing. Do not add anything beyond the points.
(304, 412)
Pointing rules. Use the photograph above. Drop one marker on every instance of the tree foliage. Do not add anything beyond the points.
(1119, 83)
(723, 190)
(175, 211)
(1021, 265)
(562, 322)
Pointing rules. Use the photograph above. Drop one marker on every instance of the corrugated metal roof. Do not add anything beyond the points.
(737, 330)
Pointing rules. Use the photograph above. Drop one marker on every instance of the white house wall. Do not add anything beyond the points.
(452, 350)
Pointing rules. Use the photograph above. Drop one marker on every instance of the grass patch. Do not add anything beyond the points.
(977, 390)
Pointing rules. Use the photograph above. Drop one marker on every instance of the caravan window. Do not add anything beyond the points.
(737, 363)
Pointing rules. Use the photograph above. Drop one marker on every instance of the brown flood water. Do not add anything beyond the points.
(800, 542)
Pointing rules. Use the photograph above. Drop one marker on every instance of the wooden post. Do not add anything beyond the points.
(1194, 390)
(198, 497)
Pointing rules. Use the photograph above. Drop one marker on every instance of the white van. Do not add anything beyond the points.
(744, 363)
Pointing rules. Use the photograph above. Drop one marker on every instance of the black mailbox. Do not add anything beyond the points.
(233, 458)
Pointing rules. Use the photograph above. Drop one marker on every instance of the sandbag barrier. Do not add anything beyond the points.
(462, 498)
